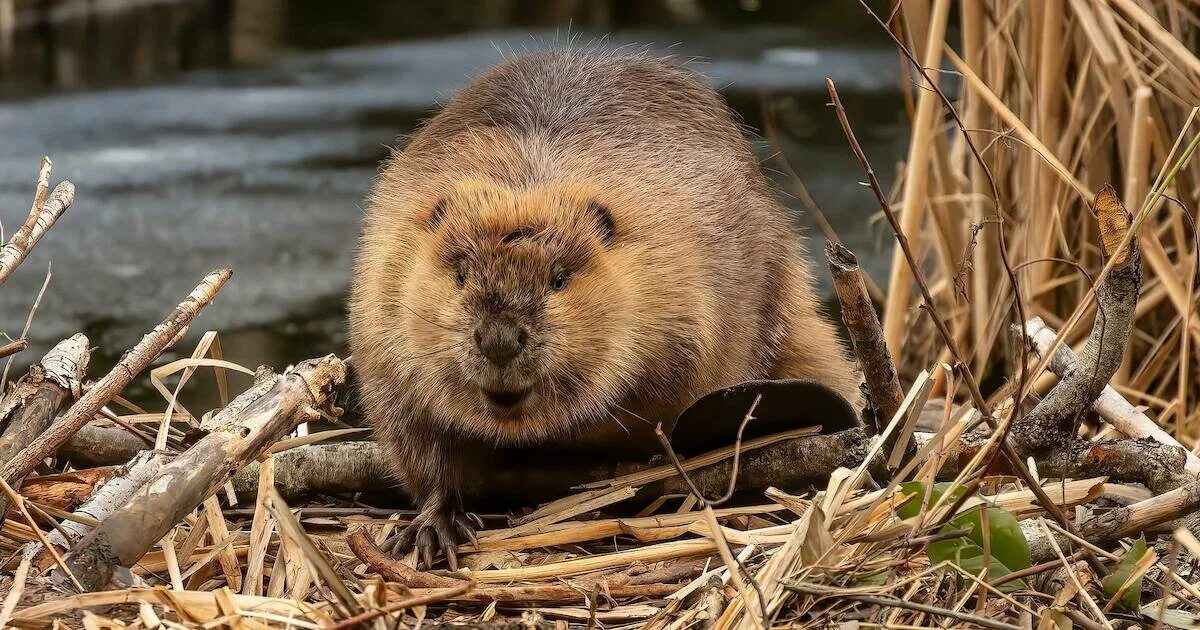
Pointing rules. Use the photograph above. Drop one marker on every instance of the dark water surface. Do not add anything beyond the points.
(244, 134)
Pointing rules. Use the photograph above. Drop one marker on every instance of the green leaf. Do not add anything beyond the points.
(966, 554)
(912, 506)
(878, 578)
(1007, 545)
(1132, 597)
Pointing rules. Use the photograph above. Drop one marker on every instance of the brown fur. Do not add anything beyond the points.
(702, 286)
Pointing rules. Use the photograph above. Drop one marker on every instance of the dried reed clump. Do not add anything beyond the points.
(1060, 97)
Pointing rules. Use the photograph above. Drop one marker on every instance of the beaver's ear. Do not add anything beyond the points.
(604, 223)
(437, 214)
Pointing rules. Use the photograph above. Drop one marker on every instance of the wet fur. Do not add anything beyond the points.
(699, 282)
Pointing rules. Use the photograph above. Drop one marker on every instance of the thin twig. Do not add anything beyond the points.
(722, 545)
(11, 348)
(37, 301)
(404, 604)
(895, 602)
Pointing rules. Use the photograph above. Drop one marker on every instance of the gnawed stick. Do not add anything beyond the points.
(1110, 404)
(101, 505)
(41, 218)
(1051, 423)
(136, 360)
(32, 405)
(866, 334)
(239, 434)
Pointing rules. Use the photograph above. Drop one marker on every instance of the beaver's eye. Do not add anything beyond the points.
(460, 277)
(558, 281)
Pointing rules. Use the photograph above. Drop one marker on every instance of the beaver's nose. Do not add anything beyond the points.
(500, 339)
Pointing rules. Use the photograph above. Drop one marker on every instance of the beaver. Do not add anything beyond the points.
(579, 245)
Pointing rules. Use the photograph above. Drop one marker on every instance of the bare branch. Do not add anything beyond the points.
(21, 243)
(239, 434)
(1053, 420)
(136, 360)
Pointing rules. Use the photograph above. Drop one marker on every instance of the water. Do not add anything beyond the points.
(196, 142)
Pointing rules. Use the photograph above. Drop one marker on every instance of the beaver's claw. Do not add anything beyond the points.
(433, 532)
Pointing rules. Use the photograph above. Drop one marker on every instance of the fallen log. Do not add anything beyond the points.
(350, 467)
(237, 435)
(95, 445)
(337, 468)
(344, 468)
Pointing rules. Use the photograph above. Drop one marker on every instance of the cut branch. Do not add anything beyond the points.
(39, 395)
(239, 434)
(40, 220)
(1106, 527)
(1052, 422)
(136, 360)
(866, 334)
(112, 495)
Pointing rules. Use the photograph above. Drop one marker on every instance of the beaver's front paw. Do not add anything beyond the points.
(433, 530)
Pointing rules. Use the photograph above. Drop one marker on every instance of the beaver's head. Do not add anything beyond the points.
(516, 310)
